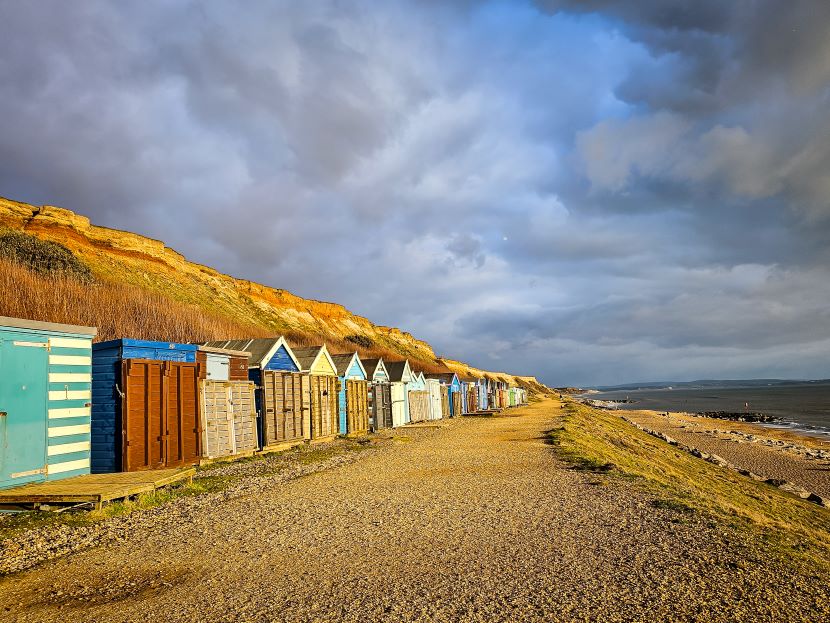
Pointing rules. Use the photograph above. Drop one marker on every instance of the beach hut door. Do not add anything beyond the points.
(23, 423)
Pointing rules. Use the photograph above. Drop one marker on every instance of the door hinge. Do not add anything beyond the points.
(33, 344)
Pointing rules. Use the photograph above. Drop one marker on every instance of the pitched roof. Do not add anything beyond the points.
(396, 370)
(343, 363)
(444, 377)
(467, 378)
(307, 356)
(261, 348)
(371, 366)
(224, 351)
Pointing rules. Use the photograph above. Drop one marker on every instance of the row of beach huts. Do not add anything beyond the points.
(69, 407)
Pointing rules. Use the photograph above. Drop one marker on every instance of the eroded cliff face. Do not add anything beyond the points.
(126, 257)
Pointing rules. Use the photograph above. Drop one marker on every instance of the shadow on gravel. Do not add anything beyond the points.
(111, 589)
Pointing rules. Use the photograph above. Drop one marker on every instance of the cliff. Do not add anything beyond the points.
(126, 258)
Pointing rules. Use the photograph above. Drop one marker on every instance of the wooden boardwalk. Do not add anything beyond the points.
(95, 489)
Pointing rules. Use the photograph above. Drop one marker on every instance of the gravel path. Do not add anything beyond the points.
(476, 521)
(771, 461)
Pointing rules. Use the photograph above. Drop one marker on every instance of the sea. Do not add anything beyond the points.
(801, 408)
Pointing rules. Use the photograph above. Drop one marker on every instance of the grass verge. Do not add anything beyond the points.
(599, 441)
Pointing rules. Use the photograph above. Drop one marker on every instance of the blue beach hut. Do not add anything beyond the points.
(145, 405)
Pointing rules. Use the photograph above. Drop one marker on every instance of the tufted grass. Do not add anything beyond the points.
(597, 440)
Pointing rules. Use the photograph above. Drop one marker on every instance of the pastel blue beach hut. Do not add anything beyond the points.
(353, 402)
(45, 374)
(484, 393)
(418, 383)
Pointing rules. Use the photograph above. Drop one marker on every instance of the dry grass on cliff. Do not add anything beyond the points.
(117, 310)
(120, 310)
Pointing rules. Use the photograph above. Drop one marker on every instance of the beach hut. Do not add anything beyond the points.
(45, 372)
(380, 393)
(435, 398)
(228, 409)
(451, 382)
(511, 396)
(145, 405)
(223, 364)
(400, 375)
(418, 398)
(353, 395)
(469, 387)
(484, 395)
(502, 388)
(282, 391)
(316, 362)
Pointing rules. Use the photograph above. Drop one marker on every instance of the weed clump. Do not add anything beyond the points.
(360, 340)
(42, 256)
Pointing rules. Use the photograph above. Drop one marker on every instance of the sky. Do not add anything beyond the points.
(593, 192)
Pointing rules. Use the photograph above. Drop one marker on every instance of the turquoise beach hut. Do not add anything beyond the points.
(45, 394)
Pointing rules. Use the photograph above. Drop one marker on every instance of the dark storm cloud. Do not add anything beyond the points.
(589, 191)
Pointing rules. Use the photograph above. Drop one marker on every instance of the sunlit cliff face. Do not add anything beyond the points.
(588, 191)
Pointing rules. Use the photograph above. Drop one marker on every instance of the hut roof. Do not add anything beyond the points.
(444, 377)
(262, 349)
(22, 323)
(396, 369)
(371, 366)
(307, 356)
(343, 362)
(224, 351)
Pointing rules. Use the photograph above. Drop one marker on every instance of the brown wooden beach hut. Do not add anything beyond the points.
(380, 393)
(316, 362)
(353, 394)
(283, 400)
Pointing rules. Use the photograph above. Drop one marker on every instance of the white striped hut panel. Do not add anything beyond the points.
(45, 394)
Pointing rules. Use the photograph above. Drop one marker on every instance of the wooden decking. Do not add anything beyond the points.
(94, 489)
